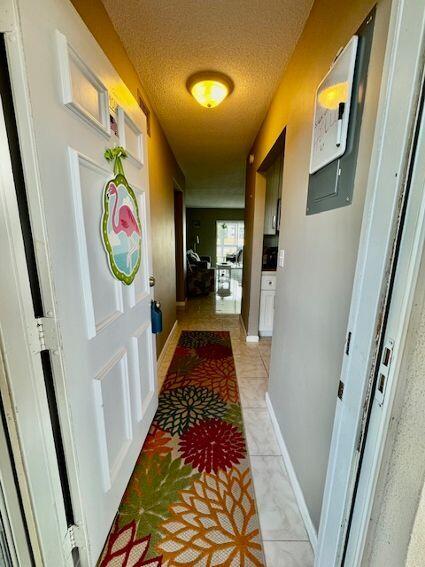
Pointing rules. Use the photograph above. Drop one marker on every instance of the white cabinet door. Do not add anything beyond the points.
(266, 312)
(107, 389)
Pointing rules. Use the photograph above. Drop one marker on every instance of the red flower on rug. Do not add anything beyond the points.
(214, 351)
(182, 351)
(212, 445)
(123, 549)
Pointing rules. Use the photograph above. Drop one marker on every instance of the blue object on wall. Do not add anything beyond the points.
(156, 317)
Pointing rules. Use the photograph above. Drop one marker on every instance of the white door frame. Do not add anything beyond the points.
(398, 318)
(16, 517)
(18, 329)
(396, 120)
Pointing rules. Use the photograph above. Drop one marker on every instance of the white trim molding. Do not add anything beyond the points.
(252, 338)
(24, 380)
(296, 487)
(166, 344)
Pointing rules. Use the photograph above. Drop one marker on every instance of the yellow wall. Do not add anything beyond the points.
(164, 170)
(329, 26)
(314, 287)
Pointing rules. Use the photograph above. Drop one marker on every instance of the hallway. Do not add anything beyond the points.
(284, 536)
(212, 320)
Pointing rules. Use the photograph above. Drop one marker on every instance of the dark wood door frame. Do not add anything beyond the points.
(180, 244)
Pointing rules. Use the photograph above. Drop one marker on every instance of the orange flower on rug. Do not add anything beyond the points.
(190, 500)
(219, 375)
(214, 523)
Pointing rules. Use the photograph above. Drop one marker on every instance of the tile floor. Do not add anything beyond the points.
(285, 539)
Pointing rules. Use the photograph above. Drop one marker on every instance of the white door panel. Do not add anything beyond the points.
(107, 394)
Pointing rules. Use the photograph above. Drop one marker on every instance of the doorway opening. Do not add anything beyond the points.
(215, 242)
(229, 254)
(180, 245)
(271, 171)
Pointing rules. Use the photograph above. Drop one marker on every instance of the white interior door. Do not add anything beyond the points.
(105, 381)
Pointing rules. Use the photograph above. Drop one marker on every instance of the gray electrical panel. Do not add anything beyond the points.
(332, 186)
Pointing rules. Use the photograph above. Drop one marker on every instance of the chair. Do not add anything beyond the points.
(200, 278)
(235, 258)
(196, 261)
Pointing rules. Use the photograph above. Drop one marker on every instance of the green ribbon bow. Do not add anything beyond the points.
(116, 154)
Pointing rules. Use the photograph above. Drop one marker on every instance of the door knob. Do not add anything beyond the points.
(151, 281)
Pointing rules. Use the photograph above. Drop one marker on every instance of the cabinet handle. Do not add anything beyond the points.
(278, 215)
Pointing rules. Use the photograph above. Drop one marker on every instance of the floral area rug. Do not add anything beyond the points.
(190, 500)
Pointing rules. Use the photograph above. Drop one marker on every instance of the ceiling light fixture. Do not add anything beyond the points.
(209, 88)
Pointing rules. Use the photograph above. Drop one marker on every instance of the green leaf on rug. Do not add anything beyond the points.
(155, 485)
(182, 365)
(234, 415)
(180, 408)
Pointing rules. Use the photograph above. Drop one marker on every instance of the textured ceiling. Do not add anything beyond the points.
(249, 40)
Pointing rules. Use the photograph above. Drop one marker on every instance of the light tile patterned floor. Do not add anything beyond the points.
(285, 539)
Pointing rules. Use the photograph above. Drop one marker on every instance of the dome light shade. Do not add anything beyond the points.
(209, 89)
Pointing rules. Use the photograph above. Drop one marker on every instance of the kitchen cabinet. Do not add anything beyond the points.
(267, 298)
(273, 177)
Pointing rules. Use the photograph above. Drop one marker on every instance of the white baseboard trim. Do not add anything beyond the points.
(248, 338)
(265, 333)
(167, 342)
(309, 526)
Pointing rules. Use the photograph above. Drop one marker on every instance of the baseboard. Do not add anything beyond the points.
(167, 342)
(265, 333)
(248, 338)
(309, 526)
(181, 303)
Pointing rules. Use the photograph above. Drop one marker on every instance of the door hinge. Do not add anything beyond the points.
(47, 336)
(72, 539)
(384, 369)
(340, 389)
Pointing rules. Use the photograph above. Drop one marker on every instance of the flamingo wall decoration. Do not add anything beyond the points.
(121, 218)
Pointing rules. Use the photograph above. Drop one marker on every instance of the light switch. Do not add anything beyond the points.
(281, 258)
